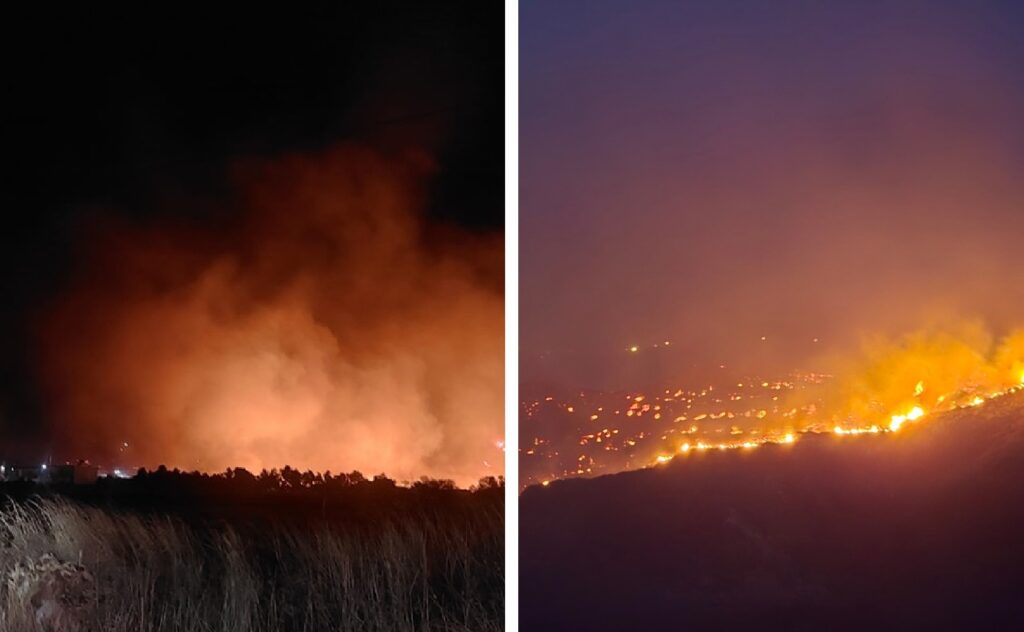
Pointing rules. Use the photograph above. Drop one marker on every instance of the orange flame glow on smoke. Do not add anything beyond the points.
(329, 328)
(968, 374)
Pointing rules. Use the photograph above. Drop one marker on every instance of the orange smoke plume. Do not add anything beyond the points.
(934, 369)
(331, 327)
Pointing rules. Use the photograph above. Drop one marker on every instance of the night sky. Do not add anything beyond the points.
(709, 173)
(140, 116)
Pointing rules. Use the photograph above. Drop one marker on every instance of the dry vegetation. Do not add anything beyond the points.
(70, 566)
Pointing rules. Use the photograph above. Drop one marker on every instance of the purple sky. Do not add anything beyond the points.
(710, 173)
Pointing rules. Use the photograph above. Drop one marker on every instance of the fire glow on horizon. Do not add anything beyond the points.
(890, 385)
(897, 420)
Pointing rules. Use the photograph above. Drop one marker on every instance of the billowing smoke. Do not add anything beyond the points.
(935, 369)
(331, 328)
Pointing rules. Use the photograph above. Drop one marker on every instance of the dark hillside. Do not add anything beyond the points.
(917, 530)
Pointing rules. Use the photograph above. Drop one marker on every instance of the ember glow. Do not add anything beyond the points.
(966, 368)
(886, 388)
(331, 330)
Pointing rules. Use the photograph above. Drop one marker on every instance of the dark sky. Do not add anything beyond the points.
(142, 114)
(709, 173)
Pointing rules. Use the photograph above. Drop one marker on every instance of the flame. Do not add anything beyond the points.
(923, 375)
(898, 420)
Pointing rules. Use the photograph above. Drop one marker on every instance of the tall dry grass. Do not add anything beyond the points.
(160, 574)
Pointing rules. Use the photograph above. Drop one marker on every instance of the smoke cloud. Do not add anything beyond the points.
(330, 328)
(796, 172)
(936, 368)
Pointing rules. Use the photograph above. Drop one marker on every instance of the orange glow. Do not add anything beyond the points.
(915, 413)
(898, 420)
(903, 385)
(362, 348)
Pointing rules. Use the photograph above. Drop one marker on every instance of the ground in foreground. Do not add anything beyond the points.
(174, 553)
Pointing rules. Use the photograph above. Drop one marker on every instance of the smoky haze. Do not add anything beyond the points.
(711, 175)
(332, 327)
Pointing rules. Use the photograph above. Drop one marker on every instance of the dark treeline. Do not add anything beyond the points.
(288, 494)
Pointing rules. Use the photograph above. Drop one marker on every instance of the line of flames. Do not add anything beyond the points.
(896, 422)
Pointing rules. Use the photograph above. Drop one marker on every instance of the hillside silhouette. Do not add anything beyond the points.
(923, 529)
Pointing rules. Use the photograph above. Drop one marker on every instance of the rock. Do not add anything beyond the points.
(59, 595)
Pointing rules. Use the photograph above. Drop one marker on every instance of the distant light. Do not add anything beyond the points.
(634, 349)
(764, 338)
(44, 467)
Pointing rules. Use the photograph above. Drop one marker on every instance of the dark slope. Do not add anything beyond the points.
(920, 530)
